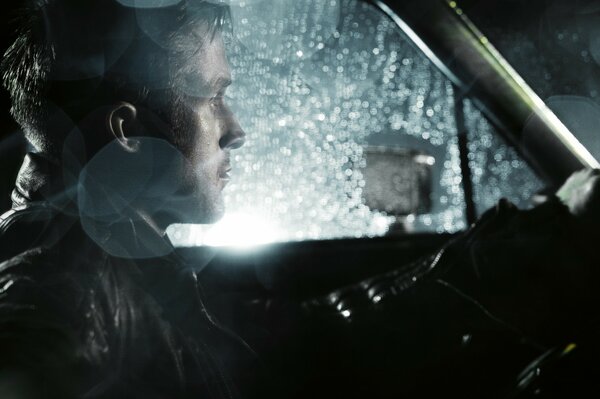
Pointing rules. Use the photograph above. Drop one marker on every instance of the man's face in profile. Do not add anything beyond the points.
(202, 127)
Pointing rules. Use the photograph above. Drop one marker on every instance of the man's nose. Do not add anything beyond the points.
(234, 137)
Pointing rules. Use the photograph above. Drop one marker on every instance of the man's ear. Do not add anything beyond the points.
(121, 121)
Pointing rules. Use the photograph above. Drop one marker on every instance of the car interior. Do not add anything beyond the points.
(378, 131)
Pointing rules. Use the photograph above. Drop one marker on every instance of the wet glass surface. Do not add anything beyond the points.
(315, 84)
(312, 94)
(497, 171)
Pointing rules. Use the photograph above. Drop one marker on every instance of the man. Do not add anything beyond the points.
(123, 107)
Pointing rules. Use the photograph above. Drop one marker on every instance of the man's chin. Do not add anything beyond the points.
(210, 218)
(190, 211)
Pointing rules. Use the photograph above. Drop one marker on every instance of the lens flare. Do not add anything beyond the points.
(234, 230)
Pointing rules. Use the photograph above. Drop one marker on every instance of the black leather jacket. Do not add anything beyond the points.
(507, 309)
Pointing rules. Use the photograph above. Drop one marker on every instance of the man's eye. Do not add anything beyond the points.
(217, 101)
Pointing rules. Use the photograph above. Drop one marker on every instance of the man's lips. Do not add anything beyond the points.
(224, 173)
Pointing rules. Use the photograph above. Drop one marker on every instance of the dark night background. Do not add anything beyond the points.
(547, 41)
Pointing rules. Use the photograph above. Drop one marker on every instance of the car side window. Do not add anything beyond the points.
(351, 131)
(497, 170)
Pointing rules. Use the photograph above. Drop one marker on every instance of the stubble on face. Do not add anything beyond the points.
(195, 137)
(198, 124)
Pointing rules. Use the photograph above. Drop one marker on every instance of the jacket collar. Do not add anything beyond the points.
(40, 182)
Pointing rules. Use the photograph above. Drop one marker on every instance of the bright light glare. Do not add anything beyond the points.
(234, 230)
